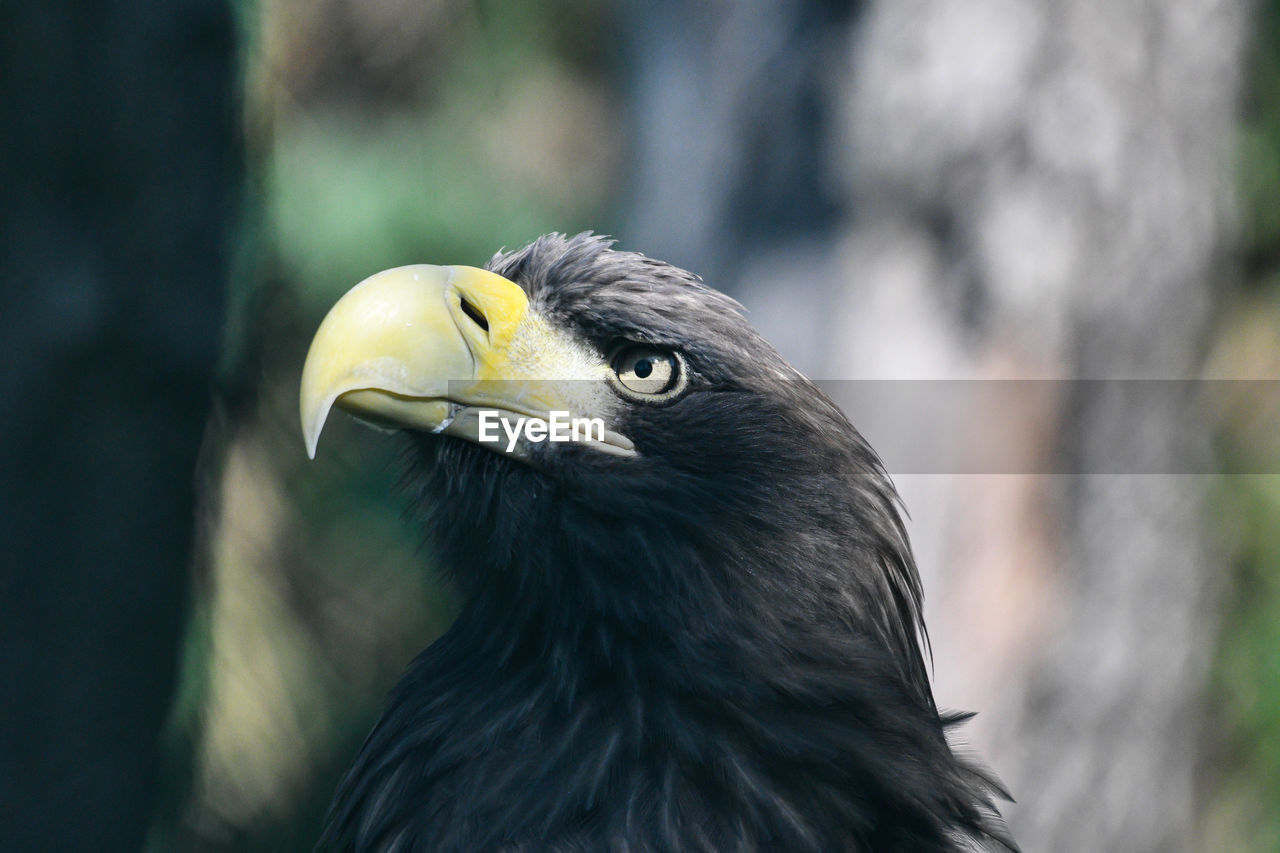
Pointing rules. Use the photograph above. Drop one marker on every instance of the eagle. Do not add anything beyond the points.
(694, 624)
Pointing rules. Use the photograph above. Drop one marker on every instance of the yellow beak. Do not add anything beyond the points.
(429, 347)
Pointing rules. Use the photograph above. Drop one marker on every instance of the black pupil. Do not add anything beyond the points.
(643, 368)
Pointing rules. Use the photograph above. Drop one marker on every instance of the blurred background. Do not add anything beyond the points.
(199, 625)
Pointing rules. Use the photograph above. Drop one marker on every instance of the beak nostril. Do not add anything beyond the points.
(474, 313)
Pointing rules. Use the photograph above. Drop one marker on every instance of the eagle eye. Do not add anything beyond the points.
(646, 373)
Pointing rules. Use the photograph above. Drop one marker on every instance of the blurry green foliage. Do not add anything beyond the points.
(511, 132)
(1245, 809)
(1247, 675)
(350, 198)
(1259, 155)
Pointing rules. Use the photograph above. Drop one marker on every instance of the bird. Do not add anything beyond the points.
(694, 626)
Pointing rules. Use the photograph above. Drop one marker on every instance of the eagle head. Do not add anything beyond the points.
(691, 618)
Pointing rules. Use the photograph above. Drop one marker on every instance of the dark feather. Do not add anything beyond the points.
(715, 646)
